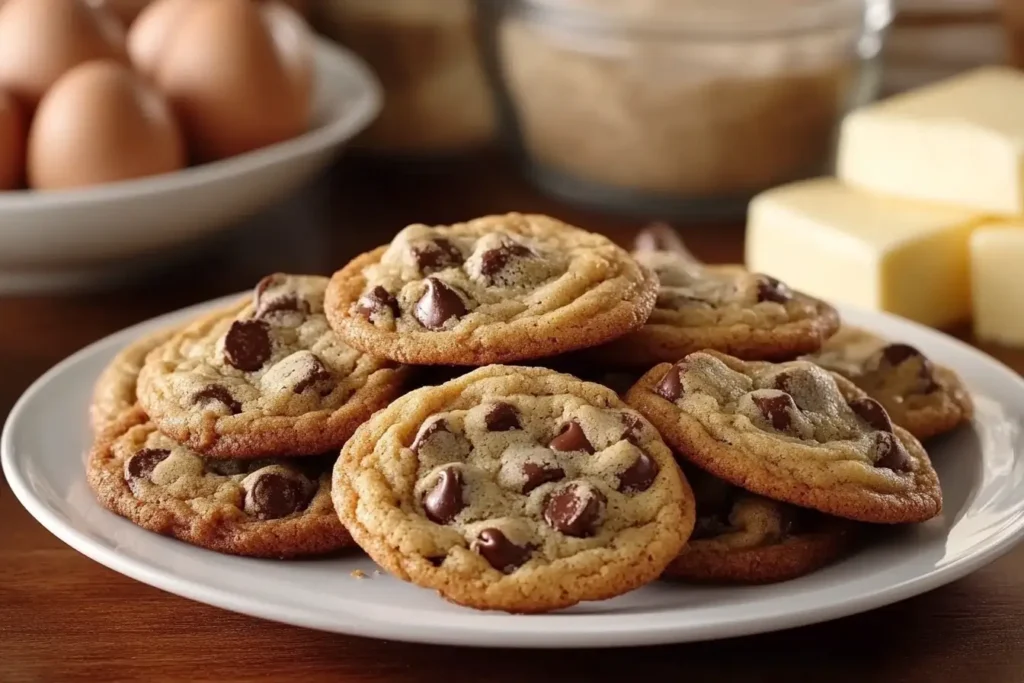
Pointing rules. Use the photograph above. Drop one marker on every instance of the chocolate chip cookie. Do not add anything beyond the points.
(496, 289)
(268, 377)
(923, 398)
(516, 489)
(791, 432)
(721, 307)
(115, 391)
(741, 537)
(259, 508)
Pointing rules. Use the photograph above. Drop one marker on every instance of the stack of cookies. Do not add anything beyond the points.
(752, 443)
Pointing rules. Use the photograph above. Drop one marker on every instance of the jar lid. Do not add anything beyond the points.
(710, 19)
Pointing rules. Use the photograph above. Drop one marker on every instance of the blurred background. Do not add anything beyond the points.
(219, 144)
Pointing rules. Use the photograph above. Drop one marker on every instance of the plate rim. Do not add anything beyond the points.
(998, 543)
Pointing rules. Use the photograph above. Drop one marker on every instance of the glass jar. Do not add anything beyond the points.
(436, 97)
(678, 108)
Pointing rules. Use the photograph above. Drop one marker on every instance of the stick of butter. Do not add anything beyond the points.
(959, 142)
(845, 245)
(997, 282)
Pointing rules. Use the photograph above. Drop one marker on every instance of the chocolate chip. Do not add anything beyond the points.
(640, 475)
(770, 289)
(501, 553)
(872, 412)
(438, 425)
(438, 304)
(313, 372)
(269, 282)
(571, 438)
(142, 464)
(493, 261)
(274, 496)
(216, 392)
(285, 303)
(436, 255)
(247, 345)
(444, 501)
(777, 410)
(671, 385)
(537, 474)
(895, 354)
(632, 426)
(659, 236)
(377, 300)
(891, 453)
(502, 417)
(574, 510)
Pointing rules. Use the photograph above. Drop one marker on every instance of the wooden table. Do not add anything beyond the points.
(65, 618)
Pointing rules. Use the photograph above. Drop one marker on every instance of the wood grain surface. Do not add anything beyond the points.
(65, 618)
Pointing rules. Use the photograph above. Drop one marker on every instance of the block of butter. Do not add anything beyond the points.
(845, 245)
(997, 282)
(958, 142)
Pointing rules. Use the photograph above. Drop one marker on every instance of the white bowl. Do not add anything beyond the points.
(64, 239)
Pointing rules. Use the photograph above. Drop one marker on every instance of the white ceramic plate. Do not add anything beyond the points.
(981, 467)
(63, 239)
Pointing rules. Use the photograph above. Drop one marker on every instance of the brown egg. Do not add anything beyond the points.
(12, 143)
(149, 33)
(233, 85)
(100, 123)
(40, 40)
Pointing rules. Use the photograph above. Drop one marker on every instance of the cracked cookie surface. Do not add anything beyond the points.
(258, 508)
(267, 377)
(924, 398)
(721, 307)
(512, 488)
(791, 432)
(496, 289)
(740, 537)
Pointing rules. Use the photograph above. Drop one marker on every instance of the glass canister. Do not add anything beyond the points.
(436, 97)
(681, 108)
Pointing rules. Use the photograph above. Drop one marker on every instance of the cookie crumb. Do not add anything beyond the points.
(358, 574)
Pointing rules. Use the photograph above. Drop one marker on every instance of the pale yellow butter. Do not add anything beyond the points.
(845, 245)
(959, 142)
(997, 282)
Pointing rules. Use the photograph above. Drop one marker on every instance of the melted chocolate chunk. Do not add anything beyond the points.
(274, 496)
(770, 289)
(632, 426)
(895, 354)
(142, 464)
(537, 474)
(571, 438)
(377, 300)
(438, 425)
(269, 282)
(502, 417)
(671, 385)
(892, 454)
(285, 303)
(314, 373)
(216, 392)
(438, 304)
(493, 261)
(436, 255)
(640, 475)
(247, 345)
(872, 412)
(574, 510)
(444, 501)
(777, 410)
(501, 553)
